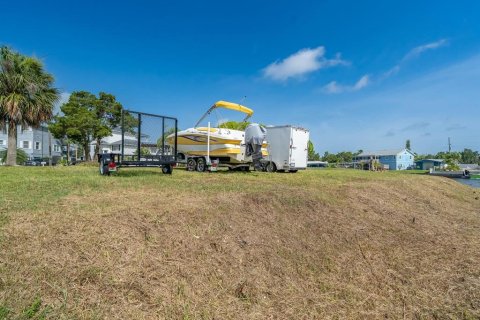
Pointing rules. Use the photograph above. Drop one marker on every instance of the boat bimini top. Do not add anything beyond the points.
(230, 106)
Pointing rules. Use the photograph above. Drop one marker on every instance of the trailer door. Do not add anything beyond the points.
(299, 148)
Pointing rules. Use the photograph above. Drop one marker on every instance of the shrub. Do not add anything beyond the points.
(21, 156)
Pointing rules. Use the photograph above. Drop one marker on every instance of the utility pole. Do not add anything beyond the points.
(449, 145)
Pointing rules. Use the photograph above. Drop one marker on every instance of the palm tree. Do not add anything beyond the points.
(26, 95)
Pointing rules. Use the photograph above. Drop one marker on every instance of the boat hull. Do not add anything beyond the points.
(225, 144)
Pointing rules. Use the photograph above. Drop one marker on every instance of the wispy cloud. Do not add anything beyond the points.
(333, 87)
(416, 126)
(456, 126)
(389, 133)
(301, 63)
(415, 52)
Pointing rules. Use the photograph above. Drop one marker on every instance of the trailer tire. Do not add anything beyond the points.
(293, 171)
(201, 165)
(191, 164)
(271, 167)
(104, 169)
(167, 169)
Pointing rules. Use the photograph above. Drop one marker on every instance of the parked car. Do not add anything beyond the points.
(33, 163)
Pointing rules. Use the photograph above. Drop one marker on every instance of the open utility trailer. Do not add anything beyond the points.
(142, 143)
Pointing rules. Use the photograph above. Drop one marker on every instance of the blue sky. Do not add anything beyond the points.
(359, 74)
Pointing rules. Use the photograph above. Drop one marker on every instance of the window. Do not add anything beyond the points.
(23, 128)
(4, 130)
(56, 148)
(25, 144)
(37, 145)
(2, 142)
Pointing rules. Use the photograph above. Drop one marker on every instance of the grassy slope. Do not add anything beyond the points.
(316, 244)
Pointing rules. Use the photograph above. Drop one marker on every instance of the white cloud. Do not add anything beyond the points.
(362, 83)
(333, 87)
(415, 52)
(301, 63)
(393, 71)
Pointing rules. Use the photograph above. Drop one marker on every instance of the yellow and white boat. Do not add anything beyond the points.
(226, 145)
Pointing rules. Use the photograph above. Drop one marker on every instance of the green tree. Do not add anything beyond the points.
(234, 125)
(330, 157)
(312, 155)
(86, 118)
(21, 156)
(455, 156)
(144, 151)
(78, 119)
(407, 144)
(345, 156)
(27, 95)
(58, 128)
(108, 113)
(451, 159)
(358, 152)
(469, 156)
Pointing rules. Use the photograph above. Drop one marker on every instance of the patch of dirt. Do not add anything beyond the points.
(370, 249)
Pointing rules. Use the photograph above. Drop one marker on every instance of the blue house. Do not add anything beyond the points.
(401, 159)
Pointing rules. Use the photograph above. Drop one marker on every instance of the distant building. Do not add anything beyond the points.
(401, 159)
(469, 166)
(113, 143)
(34, 141)
(317, 164)
(427, 164)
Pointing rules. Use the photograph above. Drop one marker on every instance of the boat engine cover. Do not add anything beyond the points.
(254, 137)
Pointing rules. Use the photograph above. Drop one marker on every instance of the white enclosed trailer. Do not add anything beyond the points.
(287, 148)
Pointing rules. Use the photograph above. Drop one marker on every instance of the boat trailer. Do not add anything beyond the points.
(143, 143)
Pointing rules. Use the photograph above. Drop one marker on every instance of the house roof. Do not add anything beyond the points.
(383, 152)
(469, 166)
(432, 160)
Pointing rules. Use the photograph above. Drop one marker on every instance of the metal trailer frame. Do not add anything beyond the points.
(110, 162)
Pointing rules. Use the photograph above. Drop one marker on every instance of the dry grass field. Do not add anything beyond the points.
(319, 244)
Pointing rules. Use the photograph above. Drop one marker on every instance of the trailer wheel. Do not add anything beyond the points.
(293, 171)
(167, 169)
(201, 165)
(191, 164)
(104, 169)
(271, 167)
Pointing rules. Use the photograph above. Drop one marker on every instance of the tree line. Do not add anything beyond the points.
(465, 156)
(28, 98)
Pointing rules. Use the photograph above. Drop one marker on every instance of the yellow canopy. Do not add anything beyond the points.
(233, 106)
(230, 106)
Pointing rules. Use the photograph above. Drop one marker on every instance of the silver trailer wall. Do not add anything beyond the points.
(288, 147)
